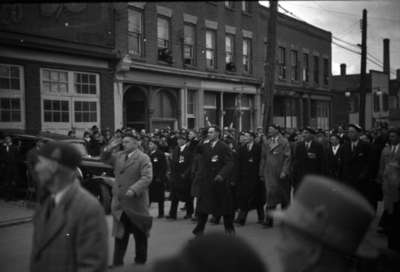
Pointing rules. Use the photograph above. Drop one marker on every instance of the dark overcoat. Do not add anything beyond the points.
(215, 196)
(335, 162)
(157, 186)
(181, 173)
(306, 162)
(248, 164)
(74, 238)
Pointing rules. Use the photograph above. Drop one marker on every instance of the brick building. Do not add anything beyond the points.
(56, 66)
(157, 64)
(394, 98)
(192, 63)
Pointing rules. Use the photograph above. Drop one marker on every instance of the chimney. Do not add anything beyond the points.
(343, 69)
(398, 74)
(386, 57)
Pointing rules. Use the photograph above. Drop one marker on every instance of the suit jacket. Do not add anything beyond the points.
(157, 186)
(307, 161)
(356, 164)
(136, 174)
(215, 197)
(334, 163)
(75, 236)
(181, 172)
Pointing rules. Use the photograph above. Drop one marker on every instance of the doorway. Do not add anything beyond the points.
(135, 108)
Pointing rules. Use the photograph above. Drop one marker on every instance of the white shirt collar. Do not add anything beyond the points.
(182, 147)
(59, 195)
(335, 148)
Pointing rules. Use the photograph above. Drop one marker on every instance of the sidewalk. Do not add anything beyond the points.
(15, 212)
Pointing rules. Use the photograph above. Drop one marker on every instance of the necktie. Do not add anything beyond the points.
(50, 208)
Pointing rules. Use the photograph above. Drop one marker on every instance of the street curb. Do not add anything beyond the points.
(13, 222)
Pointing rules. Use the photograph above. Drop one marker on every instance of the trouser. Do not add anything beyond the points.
(202, 220)
(160, 208)
(174, 207)
(242, 215)
(121, 244)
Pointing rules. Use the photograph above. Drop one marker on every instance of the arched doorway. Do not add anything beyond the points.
(135, 107)
(165, 107)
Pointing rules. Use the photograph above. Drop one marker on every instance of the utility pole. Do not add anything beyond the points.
(269, 68)
(363, 77)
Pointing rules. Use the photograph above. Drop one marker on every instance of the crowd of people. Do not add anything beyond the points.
(286, 176)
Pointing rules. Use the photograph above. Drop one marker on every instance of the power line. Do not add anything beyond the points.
(348, 43)
(346, 48)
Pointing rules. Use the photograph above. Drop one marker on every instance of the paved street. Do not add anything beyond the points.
(167, 237)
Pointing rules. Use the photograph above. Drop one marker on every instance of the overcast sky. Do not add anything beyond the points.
(342, 19)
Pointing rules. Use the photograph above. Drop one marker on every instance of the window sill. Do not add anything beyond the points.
(164, 63)
(230, 72)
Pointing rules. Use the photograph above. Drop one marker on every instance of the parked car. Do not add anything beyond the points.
(96, 176)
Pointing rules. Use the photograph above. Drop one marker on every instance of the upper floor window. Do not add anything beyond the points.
(229, 53)
(189, 44)
(10, 109)
(316, 69)
(246, 6)
(282, 62)
(163, 39)
(306, 68)
(135, 32)
(385, 102)
(326, 71)
(210, 49)
(229, 4)
(9, 77)
(294, 65)
(376, 102)
(247, 55)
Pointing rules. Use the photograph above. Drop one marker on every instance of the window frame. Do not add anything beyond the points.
(247, 56)
(294, 65)
(325, 71)
(282, 63)
(232, 52)
(193, 46)
(15, 94)
(191, 116)
(245, 7)
(316, 71)
(306, 68)
(71, 96)
(212, 50)
(140, 38)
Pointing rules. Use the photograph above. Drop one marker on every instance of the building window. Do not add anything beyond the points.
(85, 83)
(189, 44)
(306, 68)
(9, 77)
(294, 66)
(376, 102)
(316, 69)
(323, 115)
(56, 111)
(55, 81)
(10, 110)
(191, 109)
(211, 108)
(12, 96)
(282, 63)
(246, 6)
(163, 40)
(326, 71)
(247, 55)
(210, 49)
(229, 53)
(229, 4)
(135, 32)
(385, 102)
(85, 111)
(76, 105)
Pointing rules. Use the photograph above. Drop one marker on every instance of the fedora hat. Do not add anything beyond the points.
(328, 212)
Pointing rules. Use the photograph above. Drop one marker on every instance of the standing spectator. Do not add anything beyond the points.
(335, 158)
(31, 160)
(70, 230)
(107, 136)
(307, 157)
(274, 171)
(215, 194)
(9, 154)
(130, 202)
(248, 170)
(157, 186)
(181, 171)
(356, 165)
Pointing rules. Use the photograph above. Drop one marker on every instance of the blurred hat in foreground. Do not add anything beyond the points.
(328, 212)
(63, 153)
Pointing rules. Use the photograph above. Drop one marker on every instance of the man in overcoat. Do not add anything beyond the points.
(157, 186)
(356, 165)
(274, 171)
(130, 203)
(215, 196)
(70, 230)
(181, 177)
(248, 170)
(307, 158)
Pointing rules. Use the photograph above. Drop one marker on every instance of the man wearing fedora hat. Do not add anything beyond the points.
(70, 230)
(323, 227)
